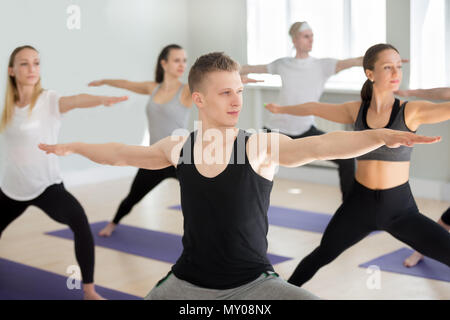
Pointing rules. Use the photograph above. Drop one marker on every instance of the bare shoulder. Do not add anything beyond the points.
(151, 85)
(418, 104)
(172, 145)
(352, 105)
(260, 149)
(352, 108)
(413, 108)
(264, 143)
(173, 142)
(256, 143)
(186, 97)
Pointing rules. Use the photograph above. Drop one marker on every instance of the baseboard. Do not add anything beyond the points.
(446, 192)
(421, 188)
(431, 189)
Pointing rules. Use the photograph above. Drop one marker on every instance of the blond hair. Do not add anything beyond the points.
(215, 61)
(295, 27)
(12, 93)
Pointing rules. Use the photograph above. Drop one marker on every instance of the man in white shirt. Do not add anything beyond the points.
(303, 80)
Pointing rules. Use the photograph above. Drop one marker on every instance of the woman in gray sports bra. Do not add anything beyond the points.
(432, 94)
(381, 198)
(168, 109)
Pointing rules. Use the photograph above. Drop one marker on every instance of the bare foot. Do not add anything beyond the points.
(92, 296)
(108, 230)
(413, 259)
(90, 293)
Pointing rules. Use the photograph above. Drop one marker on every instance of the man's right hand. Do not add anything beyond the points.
(395, 138)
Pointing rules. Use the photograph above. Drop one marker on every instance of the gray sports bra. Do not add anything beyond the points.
(163, 119)
(396, 122)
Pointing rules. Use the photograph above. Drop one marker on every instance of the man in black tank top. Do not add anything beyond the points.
(226, 178)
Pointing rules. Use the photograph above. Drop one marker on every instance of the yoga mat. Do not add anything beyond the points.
(427, 268)
(21, 282)
(295, 219)
(146, 243)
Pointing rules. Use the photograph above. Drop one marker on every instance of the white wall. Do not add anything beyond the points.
(218, 26)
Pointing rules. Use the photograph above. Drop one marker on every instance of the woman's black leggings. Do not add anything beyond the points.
(143, 183)
(363, 211)
(346, 167)
(62, 207)
(446, 217)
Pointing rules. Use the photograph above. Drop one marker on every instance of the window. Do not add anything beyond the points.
(342, 29)
(430, 43)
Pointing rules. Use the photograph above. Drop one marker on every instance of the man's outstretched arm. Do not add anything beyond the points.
(156, 156)
(342, 145)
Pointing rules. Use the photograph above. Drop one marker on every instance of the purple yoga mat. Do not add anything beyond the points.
(295, 219)
(21, 282)
(146, 243)
(427, 268)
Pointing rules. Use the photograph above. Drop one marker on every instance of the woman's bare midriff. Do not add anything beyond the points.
(378, 175)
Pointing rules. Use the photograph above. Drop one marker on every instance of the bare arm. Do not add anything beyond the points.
(246, 80)
(348, 63)
(262, 68)
(341, 113)
(145, 87)
(87, 101)
(342, 145)
(353, 62)
(430, 94)
(425, 112)
(154, 157)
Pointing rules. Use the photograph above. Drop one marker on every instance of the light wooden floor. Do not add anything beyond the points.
(25, 242)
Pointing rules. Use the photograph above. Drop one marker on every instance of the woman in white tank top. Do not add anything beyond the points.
(32, 115)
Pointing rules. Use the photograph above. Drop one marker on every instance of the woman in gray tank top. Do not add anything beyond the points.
(168, 109)
(381, 198)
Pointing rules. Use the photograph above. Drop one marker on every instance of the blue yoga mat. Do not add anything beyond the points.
(21, 282)
(146, 243)
(295, 219)
(427, 268)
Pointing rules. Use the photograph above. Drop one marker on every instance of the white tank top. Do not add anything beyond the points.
(28, 170)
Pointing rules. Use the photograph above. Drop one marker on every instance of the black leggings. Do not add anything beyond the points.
(143, 183)
(364, 210)
(446, 217)
(346, 167)
(62, 207)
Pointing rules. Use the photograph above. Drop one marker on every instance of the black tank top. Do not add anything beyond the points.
(396, 122)
(225, 221)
